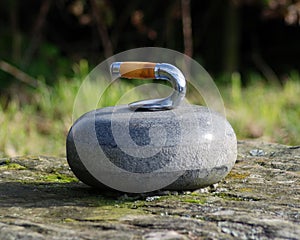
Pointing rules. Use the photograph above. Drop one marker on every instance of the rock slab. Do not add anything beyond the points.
(40, 198)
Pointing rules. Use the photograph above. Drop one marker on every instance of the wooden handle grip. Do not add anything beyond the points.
(139, 70)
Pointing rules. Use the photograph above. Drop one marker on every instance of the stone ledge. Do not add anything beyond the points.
(260, 199)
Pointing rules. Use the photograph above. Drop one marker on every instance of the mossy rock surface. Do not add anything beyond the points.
(260, 199)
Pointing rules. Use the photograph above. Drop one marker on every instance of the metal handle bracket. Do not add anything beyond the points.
(148, 70)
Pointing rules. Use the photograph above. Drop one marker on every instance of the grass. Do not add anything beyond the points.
(268, 112)
(39, 124)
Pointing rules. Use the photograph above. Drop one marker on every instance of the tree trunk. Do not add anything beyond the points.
(231, 38)
(187, 27)
(102, 30)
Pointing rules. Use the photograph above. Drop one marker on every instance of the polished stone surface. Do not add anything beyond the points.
(189, 147)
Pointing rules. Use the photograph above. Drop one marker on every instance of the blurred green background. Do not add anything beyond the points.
(251, 48)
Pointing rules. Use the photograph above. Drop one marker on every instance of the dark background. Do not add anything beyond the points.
(44, 38)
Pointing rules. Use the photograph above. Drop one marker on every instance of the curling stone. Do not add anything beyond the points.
(151, 144)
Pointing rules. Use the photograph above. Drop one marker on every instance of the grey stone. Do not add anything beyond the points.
(166, 235)
(184, 148)
(256, 152)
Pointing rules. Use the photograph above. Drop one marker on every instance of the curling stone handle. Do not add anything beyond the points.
(137, 70)
(149, 70)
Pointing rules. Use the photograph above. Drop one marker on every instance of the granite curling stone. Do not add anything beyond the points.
(142, 148)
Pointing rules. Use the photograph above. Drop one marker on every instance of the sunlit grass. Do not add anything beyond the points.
(39, 126)
(269, 112)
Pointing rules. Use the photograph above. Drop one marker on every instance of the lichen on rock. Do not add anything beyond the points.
(260, 199)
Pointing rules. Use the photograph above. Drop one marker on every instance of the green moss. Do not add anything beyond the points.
(194, 200)
(187, 198)
(112, 213)
(246, 189)
(235, 175)
(230, 197)
(69, 220)
(109, 209)
(11, 166)
(57, 178)
(101, 201)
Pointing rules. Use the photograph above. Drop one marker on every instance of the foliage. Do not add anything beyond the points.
(40, 41)
(263, 111)
(44, 38)
(40, 127)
